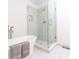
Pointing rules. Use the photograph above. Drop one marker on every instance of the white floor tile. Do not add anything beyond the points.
(57, 53)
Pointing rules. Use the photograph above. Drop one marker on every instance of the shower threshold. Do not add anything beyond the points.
(43, 45)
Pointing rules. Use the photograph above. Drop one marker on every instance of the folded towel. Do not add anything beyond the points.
(15, 51)
(25, 49)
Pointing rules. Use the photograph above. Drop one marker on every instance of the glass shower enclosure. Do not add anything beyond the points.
(41, 21)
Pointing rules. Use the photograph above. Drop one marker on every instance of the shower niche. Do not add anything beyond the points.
(41, 21)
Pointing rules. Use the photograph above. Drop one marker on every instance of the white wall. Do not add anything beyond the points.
(17, 16)
(63, 35)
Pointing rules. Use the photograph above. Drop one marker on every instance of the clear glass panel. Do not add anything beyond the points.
(42, 24)
(52, 21)
(31, 20)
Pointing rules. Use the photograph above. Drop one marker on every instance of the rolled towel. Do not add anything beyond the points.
(25, 49)
(15, 51)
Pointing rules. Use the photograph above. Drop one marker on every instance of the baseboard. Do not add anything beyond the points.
(63, 46)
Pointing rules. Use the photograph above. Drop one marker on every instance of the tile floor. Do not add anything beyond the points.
(57, 53)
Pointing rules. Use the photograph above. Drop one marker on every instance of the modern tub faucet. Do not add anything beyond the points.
(10, 31)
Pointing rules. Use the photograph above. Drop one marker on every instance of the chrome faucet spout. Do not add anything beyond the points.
(10, 31)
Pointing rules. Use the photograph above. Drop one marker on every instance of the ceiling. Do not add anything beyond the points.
(38, 2)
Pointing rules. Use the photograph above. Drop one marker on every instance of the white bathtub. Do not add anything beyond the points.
(29, 38)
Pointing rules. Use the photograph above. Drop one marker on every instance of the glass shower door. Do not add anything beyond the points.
(52, 22)
(42, 25)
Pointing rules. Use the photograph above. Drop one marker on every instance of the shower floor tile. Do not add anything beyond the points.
(57, 53)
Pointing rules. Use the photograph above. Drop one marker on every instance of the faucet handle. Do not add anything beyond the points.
(12, 27)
